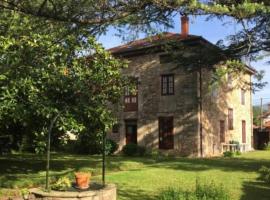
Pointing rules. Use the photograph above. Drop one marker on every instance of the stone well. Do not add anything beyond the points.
(106, 193)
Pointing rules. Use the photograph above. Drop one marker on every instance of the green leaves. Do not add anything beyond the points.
(44, 73)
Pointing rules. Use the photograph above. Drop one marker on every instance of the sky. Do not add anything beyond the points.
(212, 30)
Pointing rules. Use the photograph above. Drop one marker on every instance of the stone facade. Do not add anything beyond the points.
(215, 105)
(196, 129)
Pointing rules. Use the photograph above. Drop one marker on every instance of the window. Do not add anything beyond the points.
(167, 84)
(230, 119)
(222, 130)
(166, 137)
(131, 99)
(243, 131)
(243, 100)
(131, 131)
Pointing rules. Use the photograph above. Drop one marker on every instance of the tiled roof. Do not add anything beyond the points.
(158, 40)
(150, 42)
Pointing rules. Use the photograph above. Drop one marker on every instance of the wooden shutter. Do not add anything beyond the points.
(222, 130)
(230, 119)
(244, 131)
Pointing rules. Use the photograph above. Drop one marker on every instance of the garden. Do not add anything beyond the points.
(149, 177)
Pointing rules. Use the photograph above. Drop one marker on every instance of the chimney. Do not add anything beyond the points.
(184, 26)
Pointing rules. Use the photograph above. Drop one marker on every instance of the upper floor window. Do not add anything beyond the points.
(230, 119)
(167, 84)
(243, 99)
(131, 99)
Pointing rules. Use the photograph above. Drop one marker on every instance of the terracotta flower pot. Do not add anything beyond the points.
(82, 180)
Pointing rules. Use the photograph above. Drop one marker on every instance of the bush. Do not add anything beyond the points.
(210, 191)
(130, 149)
(266, 146)
(228, 154)
(231, 154)
(134, 150)
(264, 174)
(111, 147)
(141, 151)
(238, 153)
(202, 192)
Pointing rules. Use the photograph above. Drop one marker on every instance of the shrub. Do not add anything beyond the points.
(141, 151)
(176, 194)
(238, 153)
(266, 146)
(111, 147)
(130, 149)
(209, 191)
(134, 150)
(62, 184)
(228, 154)
(264, 174)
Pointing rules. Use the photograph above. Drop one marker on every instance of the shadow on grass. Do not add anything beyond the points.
(224, 164)
(255, 190)
(27, 169)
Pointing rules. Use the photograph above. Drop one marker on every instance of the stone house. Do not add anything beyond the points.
(174, 108)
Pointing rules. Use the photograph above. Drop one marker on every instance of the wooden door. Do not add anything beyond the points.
(166, 133)
(131, 132)
(243, 131)
(222, 131)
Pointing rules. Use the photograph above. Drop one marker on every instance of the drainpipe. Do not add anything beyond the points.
(200, 107)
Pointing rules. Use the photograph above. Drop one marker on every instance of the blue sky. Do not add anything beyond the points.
(213, 31)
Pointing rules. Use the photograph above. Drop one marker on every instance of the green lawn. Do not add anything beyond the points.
(143, 178)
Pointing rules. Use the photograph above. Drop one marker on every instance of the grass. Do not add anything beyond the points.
(143, 178)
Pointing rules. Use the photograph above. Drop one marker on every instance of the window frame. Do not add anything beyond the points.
(130, 105)
(169, 88)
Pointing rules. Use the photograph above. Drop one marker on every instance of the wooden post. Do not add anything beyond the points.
(103, 157)
(48, 152)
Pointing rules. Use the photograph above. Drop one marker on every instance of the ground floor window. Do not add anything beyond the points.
(222, 130)
(131, 131)
(166, 132)
(243, 131)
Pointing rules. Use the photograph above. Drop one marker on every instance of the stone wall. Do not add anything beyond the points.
(184, 107)
(152, 105)
(216, 102)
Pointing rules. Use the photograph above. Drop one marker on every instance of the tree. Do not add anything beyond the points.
(256, 115)
(144, 15)
(47, 73)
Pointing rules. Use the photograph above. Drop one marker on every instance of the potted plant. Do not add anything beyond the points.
(82, 178)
